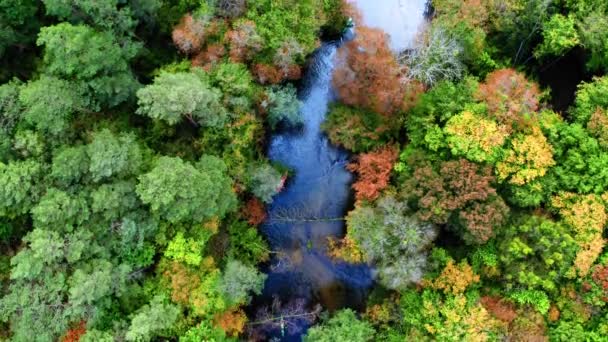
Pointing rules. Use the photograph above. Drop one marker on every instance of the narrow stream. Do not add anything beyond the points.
(309, 210)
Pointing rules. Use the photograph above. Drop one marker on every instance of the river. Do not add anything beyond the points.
(309, 210)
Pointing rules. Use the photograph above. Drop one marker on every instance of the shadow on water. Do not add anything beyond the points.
(311, 208)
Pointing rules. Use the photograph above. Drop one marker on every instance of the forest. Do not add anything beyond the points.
(135, 179)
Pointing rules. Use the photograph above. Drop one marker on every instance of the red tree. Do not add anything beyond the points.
(509, 96)
(374, 171)
(211, 55)
(243, 41)
(189, 34)
(74, 334)
(368, 74)
(458, 187)
(254, 211)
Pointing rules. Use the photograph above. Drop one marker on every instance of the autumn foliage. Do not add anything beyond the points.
(270, 74)
(211, 55)
(368, 75)
(587, 215)
(509, 97)
(232, 322)
(189, 35)
(254, 211)
(182, 282)
(345, 249)
(374, 171)
(243, 41)
(74, 334)
(455, 279)
(499, 308)
(462, 187)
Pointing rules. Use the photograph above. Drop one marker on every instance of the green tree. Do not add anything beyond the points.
(265, 182)
(177, 191)
(58, 210)
(93, 59)
(51, 111)
(283, 107)
(111, 155)
(343, 326)
(393, 239)
(536, 253)
(113, 201)
(70, 164)
(10, 115)
(174, 96)
(152, 319)
(559, 36)
(239, 281)
(18, 187)
(590, 97)
(104, 14)
(236, 84)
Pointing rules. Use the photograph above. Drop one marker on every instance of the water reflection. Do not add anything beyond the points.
(311, 209)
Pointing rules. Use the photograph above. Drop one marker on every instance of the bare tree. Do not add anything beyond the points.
(436, 57)
(287, 318)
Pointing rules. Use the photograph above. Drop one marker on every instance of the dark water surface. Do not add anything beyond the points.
(309, 210)
(312, 206)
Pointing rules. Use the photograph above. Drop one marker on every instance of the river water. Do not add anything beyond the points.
(309, 210)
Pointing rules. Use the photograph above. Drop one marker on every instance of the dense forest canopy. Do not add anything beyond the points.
(133, 173)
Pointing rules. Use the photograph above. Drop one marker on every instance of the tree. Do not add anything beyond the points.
(529, 158)
(283, 106)
(359, 130)
(391, 239)
(239, 281)
(266, 182)
(434, 108)
(51, 111)
(436, 57)
(580, 162)
(174, 96)
(189, 35)
(105, 14)
(152, 319)
(18, 187)
(58, 280)
(244, 41)
(236, 84)
(535, 253)
(586, 214)
(177, 191)
(460, 192)
(590, 99)
(58, 210)
(205, 332)
(374, 172)
(510, 97)
(278, 23)
(186, 250)
(114, 200)
(231, 8)
(70, 164)
(559, 36)
(455, 279)
(368, 75)
(111, 155)
(94, 61)
(344, 325)
(474, 137)
(10, 112)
